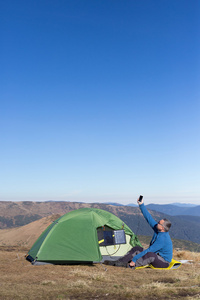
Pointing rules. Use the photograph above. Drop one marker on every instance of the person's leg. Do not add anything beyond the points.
(153, 259)
(159, 262)
(124, 260)
(129, 256)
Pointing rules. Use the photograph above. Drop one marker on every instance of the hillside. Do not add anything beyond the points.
(24, 237)
(183, 227)
(15, 214)
(174, 210)
(20, 280)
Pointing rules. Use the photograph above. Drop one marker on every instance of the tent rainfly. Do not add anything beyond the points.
(83, 236)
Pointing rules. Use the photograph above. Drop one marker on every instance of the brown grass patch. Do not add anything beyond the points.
(182, 255)
(21, 280)
(26, 235)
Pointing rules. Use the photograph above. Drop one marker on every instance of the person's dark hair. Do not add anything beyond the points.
(167, 224)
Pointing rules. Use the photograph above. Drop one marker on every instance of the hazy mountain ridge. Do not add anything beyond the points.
(15, 214)
(23, 237)
(184, 204)
(174, 210)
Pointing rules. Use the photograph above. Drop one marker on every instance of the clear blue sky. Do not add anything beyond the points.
(100, 100)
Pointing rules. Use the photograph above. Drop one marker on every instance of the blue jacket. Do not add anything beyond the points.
(161, 242)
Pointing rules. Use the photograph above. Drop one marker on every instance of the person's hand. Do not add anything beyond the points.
(140, 202)
(132, 264)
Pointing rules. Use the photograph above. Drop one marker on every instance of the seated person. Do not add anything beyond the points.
(160, 251)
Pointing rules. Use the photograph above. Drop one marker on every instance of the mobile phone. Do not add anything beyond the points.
(140, 198)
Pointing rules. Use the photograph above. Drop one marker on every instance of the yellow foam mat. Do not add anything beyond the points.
(174, 264)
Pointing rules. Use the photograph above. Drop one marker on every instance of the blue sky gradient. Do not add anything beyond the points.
(100, 100)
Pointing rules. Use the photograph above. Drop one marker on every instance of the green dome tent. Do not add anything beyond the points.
(85, 235)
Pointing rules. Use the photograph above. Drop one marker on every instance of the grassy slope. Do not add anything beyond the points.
(21, 280)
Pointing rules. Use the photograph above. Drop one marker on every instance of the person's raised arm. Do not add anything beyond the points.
(146, 214)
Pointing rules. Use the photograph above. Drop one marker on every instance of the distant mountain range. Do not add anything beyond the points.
(174, 209)
(25, 236)
(132, 204)
(15, 214)
(184, 204)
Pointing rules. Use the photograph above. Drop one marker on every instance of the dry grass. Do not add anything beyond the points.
(21, 280)
(180, 255)
(26, 235)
